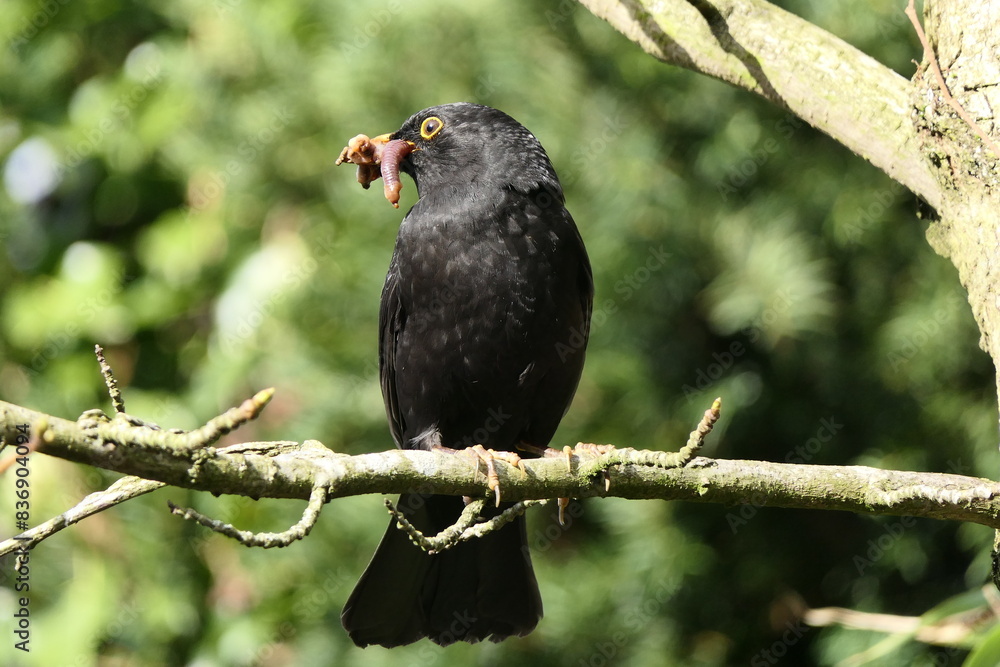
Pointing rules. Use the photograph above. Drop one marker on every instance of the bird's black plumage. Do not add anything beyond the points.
(483, 324)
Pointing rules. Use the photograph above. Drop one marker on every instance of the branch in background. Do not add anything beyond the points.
(948, 632)
(961, 621)
(800, 67)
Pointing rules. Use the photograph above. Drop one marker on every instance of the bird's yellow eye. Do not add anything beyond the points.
(430, 127)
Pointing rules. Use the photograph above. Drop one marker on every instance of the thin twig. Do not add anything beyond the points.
(505, 517)
(447, 537)
(265, 540)
(697, 437)
(911, 12)
(658, 459)
(230, 420)
(466, 527)
(947, 631)
(109, 380)
(123, 489)
(124, 429)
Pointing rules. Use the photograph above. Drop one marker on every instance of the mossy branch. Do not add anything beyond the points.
(798, 66)
(310, 471)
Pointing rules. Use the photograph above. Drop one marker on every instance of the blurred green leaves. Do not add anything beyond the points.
(771, 286)
(169, 192)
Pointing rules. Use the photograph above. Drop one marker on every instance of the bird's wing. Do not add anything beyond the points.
(585, 278)
(390, 322)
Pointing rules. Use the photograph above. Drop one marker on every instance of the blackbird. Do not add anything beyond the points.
(483, 326)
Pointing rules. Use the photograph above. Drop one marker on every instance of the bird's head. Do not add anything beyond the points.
(455, 146)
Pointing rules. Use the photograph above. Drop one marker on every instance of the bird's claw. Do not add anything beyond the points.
(594, 451)
(489, 457)
(563, 504)
(568, 453)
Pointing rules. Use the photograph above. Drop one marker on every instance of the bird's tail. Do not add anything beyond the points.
(477, 589)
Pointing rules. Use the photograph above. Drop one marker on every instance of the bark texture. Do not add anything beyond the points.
(908, 129)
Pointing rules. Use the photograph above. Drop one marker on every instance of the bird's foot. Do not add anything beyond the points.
(595, 451)
(489, 457)
(568, 453)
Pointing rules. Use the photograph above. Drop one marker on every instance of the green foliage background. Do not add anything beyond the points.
(170, 194)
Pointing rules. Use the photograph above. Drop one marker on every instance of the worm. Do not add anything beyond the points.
(361, 151)
(392, 154)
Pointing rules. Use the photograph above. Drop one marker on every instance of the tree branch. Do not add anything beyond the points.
(109, 380)
(123, 489)
(758, 47)
(932, 62)
(264, 540)
(292, 470)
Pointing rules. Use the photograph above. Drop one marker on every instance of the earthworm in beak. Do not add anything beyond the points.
(392, 154)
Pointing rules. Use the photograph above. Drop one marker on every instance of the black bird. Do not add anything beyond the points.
(482, 331)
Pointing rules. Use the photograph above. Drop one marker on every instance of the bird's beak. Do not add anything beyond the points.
(379, 156)
(380, 141)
